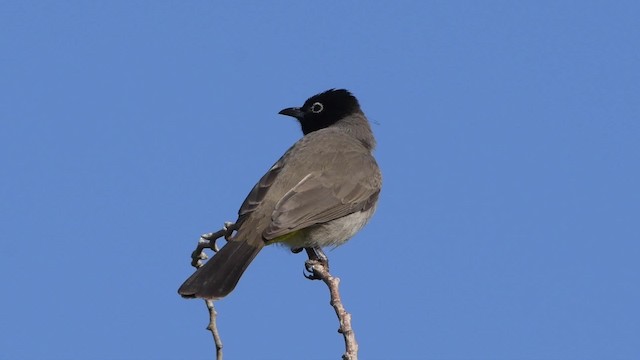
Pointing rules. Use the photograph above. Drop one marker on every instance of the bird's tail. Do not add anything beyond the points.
(219, 276)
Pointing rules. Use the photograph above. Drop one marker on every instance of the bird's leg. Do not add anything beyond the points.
(316, 257)
(316, 253)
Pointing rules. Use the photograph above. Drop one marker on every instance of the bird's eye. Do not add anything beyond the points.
(317, 107)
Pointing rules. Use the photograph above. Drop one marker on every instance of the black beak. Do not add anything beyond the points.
(292, 111)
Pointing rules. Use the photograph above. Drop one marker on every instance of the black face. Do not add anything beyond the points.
(324, 109)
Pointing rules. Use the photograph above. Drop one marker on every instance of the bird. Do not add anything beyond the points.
(319, 194)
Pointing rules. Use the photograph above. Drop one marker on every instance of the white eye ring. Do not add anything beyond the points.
(317, 107)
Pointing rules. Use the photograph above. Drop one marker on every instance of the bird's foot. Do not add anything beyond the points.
(317, 257)
(309, 267)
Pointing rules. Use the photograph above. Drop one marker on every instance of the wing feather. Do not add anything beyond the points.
(329, 194)
(259, 191)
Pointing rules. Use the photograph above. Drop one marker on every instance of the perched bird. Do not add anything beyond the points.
(320, 193)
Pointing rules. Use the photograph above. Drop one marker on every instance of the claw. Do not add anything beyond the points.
(308, 276)
(308, 265)
(316, 257)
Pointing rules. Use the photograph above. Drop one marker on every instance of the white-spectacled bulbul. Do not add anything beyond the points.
(321, 192)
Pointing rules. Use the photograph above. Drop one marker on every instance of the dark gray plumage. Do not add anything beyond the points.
(321, 192)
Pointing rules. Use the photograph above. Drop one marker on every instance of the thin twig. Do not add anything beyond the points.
(213, 327)
(320, 271)
(208, 241)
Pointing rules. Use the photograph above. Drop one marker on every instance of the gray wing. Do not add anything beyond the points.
(258, 192)
(350, 184)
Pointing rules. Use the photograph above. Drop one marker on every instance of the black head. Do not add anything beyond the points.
(324, 109)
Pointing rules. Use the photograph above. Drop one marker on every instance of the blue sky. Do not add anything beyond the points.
(508, 135)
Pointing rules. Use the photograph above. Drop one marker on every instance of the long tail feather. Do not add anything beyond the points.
(219, 276)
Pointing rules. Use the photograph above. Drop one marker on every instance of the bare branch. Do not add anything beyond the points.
(208, 241)
(321, 272)
(213, 327)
